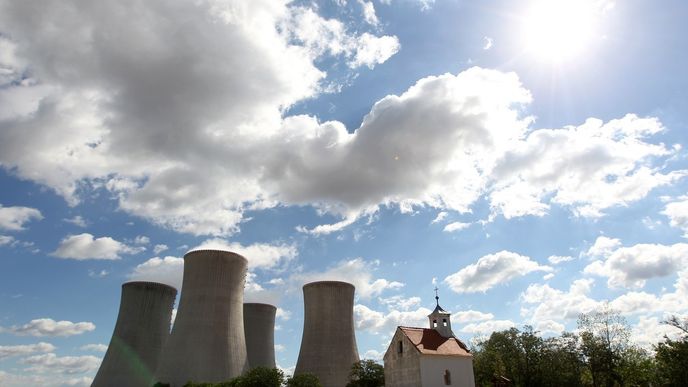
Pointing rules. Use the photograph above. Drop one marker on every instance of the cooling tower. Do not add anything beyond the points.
(143, 326)
(207, 341)
(328, 345)
(259, 327)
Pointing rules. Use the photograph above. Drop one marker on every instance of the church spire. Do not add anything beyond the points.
(440, 319)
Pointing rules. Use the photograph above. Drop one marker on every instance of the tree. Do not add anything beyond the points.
(366, 373)
(260, 377)
(604, 338)
(671, 356)
(303, 380)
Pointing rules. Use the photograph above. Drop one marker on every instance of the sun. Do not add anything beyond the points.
(559, 30)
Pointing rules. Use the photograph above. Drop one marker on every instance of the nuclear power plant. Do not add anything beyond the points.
(328, 345)
(259, 329)
(207, 342)
(143, 326)
(216, 337)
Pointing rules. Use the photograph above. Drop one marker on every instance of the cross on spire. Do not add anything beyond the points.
(437, 297)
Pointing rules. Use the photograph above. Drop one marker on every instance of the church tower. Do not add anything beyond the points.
(440, 319)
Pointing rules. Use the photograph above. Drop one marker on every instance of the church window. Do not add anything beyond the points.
(434, 323)
(447, 378)
(401, 347)
(444, 322)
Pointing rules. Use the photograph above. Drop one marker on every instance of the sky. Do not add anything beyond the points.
(527, 158)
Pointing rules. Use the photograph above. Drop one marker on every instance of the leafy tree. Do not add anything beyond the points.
(604, 338)
(366, 373)
(303, 380)
(671, 356)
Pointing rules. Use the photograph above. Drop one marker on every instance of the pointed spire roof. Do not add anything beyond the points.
(438, 308)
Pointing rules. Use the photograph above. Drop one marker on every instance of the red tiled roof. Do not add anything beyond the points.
(430, 342)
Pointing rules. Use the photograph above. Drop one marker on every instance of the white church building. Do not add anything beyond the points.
(428, 357)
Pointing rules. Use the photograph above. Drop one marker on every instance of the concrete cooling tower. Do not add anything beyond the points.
(259, 328)
(143, 326)
(328, 345)
(207, 341)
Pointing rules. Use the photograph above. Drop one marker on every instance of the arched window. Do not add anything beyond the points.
(434, 323)
(447, 378)
(401, 347)
(444, 322)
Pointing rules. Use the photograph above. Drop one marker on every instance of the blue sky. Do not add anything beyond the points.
(528, 159)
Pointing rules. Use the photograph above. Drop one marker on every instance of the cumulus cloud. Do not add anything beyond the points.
(544, 303)
(677, 212)
(440, 217)
(138, 114)
(48, 327)
(168, 270)
(14, 218)
(356, 271)
(76, 220)
(491, 270)
(471, 315)
(369, 12)
(157, 249)
(633, 266)
(94, 347)
(50, 362)
(603, 246)
(26, 349)
(85, 246)
(259, 255)
(487, 327)
(557, 259)
(456, 226)
(386, 322)
(6, 240)
(588, 168)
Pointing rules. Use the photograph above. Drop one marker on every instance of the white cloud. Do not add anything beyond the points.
(549, 304)
(23, 350)
(94, 347)
(440, 217)
(373, 355)
(369, 12)
(167, 270)
(487, 327)
(85, 246)
(650, 331)
(400, 302)
(50, 362)
(356, 271)
(49, 327)
(95, 115)
(549, 326)
(159, 248)
(603, 246)
(471, 315)
(14, 218)
(282, 314)
(6, 240)
(141, 240)
(632, 266)
(487, 43)
(385, 323)
(557, 259)
(491, 270)
(76, 220)
(456, 226)
(259, 255)
(588, 168)
(677, 212)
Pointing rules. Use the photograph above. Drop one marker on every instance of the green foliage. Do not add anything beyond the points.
(303, 380)
(256, 377)
(671, 356)
(366, 373)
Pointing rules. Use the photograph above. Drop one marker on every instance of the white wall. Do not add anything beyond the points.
(432, 369)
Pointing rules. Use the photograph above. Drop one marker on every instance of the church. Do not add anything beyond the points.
(428, 357)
